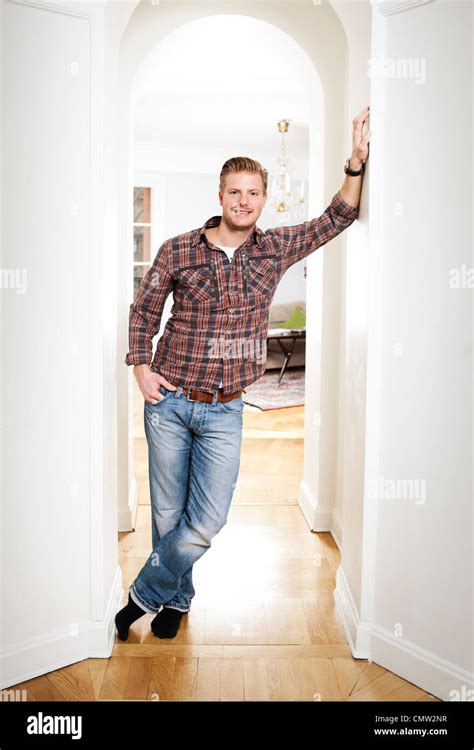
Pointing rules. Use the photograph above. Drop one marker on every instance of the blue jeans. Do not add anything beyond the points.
(194, 459)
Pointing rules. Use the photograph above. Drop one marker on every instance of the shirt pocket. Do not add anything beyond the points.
(261, 275)
(195, 284)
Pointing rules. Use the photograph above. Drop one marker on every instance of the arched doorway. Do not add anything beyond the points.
(144, 30)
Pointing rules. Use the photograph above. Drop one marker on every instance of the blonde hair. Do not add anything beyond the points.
(243, 164)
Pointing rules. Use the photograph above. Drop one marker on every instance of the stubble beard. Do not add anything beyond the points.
(237, 227)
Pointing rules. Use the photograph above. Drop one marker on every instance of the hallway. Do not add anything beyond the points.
(274, 634)
(103, 102)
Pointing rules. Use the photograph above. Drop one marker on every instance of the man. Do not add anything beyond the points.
(223, 278)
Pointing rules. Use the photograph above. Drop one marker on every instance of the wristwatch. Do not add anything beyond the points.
(350, 171)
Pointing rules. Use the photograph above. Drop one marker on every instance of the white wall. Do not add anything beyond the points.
(2, 565)
(407, 416)
(424, 549)
(353, 279)
(56, 517)
(405, 584)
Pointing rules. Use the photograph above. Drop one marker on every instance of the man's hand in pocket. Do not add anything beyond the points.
(149, 383)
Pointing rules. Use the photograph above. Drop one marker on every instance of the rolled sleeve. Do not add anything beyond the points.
(300, 240)
(147, 308)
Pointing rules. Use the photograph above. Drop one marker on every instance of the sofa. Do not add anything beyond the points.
(280, 312)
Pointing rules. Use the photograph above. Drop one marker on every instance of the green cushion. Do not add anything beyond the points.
(297, 319)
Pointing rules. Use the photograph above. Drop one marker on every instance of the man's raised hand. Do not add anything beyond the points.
(360, 136)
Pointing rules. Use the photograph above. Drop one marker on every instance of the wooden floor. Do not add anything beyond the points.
(263, 623)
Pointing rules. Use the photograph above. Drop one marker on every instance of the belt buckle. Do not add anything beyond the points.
(188, 395)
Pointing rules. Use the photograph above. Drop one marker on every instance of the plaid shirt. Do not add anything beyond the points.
(219, 320)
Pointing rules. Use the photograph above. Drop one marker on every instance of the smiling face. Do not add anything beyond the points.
(242, 200)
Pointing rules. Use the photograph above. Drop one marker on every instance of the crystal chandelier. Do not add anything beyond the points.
(287, 204)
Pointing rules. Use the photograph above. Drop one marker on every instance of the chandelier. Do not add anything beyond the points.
(286, 202)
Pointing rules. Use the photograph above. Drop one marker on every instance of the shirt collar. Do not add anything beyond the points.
(214, 221)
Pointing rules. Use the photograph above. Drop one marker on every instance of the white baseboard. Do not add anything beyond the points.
(407, 660)
(127, 516)
(425, 670)
(64, 646)
(367, 641)
(307, 503)
(102, 633)
(317, 519)
(336, 530)
(357, 632)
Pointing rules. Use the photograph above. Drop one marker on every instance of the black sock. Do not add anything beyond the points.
(166, 623)
(126, 616)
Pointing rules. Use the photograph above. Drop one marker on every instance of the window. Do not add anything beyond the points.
(141, 235)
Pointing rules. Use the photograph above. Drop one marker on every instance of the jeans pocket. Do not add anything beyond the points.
(164, 392)
(235, 406)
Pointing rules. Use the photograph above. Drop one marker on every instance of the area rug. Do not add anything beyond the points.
(264, 394)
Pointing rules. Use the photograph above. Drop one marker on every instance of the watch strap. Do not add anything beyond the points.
(351, 172)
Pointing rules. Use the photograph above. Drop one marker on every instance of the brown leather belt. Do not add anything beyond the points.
(196, 395)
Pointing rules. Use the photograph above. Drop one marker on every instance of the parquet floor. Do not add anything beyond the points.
(263, 624)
